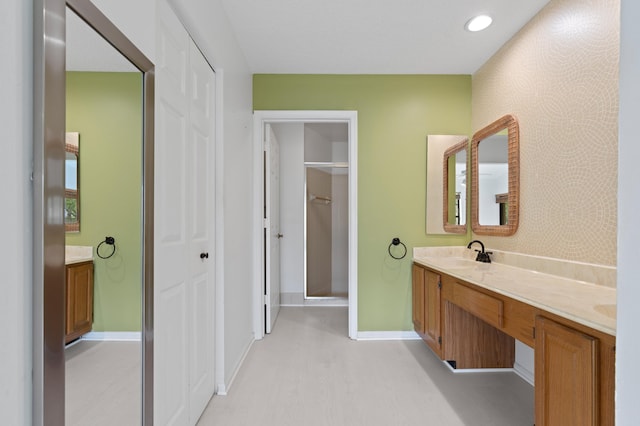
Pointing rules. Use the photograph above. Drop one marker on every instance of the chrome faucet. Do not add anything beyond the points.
(483, 256)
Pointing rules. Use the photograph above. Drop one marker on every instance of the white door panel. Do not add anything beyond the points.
(201, 130)
(171, 384)
(183, 279)
(272, 232)
(171, 380)
(200, 355)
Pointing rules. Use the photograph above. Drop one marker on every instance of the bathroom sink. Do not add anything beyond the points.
(76, 254)
(456, 262)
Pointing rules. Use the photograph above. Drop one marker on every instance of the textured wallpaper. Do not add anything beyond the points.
(559, 77)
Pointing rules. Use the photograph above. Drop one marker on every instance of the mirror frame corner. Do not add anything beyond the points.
(509, 122)
(453, 150)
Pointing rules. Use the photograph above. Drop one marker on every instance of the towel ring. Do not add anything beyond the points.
(108, 241)
(396, 241)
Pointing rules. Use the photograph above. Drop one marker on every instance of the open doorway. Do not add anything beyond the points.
(333, 159)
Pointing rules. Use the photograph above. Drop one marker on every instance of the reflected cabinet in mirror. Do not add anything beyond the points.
(71, 182)
(495, 178)
(446, 194)
(454, 198)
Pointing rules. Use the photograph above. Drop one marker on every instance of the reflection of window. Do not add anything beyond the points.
(71, 190)
(70, 206)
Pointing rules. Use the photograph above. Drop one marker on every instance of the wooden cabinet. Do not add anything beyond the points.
(78, 300)
(473, 327)
(472, 333)
(418, 299)
(566, 363)
(433, 307)
(427, 307)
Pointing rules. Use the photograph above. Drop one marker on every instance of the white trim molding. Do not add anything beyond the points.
(113, 336)
(260, 118)
(388, 335)
(522, 371)
(222, 388)
(477, 370)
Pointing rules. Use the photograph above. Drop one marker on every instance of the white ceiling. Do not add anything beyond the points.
(372, 36)
(344, 36)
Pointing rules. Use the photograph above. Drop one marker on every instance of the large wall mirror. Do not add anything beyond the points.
(76, 49)
(495, 178)
(446, 182)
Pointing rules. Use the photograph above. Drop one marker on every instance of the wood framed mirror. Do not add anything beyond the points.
(495, 178)
(454, 191)
(438, 183)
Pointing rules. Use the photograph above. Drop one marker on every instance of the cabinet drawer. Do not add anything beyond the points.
(519, 320)
(483, 306)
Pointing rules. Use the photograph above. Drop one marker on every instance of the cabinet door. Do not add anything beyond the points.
(432, 310)
(418, 299)
(565, 375)
(79, 300)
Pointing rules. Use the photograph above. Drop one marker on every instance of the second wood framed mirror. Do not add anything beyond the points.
(495, 178)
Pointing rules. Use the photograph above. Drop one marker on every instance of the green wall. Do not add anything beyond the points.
(395, 115)
(106, 108)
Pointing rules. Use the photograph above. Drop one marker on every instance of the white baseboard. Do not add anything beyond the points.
(477, 370)
(113, 336)
(524, 365)
(526, 374)
(222, 388)
(387, 335)
(297, 299)
(518, 369)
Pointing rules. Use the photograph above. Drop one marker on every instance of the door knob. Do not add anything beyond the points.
(279, 235)
(204, 255)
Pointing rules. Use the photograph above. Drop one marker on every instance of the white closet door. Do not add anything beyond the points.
(171, 214)
(201, 257)
(184, 265)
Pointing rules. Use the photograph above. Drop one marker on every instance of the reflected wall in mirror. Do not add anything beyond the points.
(454, 177)
(72, 182)
(105, 103)
(495, 178)
(438, 185)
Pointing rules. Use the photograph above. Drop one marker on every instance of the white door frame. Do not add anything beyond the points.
(260, 118)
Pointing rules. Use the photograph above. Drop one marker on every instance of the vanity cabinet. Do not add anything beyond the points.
(78, 300)
(427, 307)
(418, 299)
(574, 375)
(574, 364)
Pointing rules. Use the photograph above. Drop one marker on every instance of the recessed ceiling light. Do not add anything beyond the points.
(478, 23)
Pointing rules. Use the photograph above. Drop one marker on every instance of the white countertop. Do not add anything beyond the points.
(77, 254)
(586, 303)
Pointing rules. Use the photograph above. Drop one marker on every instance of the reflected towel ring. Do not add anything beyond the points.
(396, 241)
(109, 241)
